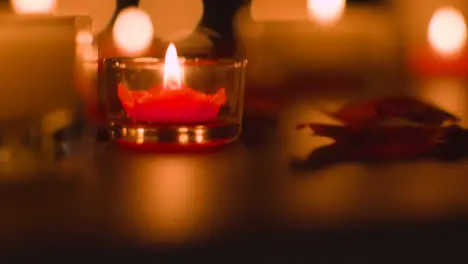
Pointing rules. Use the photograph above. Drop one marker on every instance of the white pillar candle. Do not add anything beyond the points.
(283, 40)
(414, 17)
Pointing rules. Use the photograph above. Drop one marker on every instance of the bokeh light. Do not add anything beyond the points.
(447, 31)
(100, 11)
(133, 31)
(33, 6)
(84, 37)
(326, 11)
(173, 20)
(85, 48)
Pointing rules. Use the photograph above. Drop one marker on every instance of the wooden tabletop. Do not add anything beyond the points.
(245, 201)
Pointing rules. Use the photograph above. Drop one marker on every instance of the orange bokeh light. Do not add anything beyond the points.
(326, 11)
(33, 6)
(447, 32)
(133, 31)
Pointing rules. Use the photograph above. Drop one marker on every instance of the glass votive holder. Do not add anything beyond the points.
(197, 103)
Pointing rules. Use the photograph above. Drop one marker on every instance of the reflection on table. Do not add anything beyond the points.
(245, 190)
(175, 197)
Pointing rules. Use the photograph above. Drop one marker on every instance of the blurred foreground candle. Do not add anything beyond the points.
(446, 52)
(38, 97)
(38, 54)
(87, 46)
(194, 102)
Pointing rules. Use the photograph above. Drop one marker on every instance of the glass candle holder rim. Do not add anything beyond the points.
(124, 62)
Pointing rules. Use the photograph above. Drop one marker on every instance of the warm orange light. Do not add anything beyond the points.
(447, 32)
(133, 31)
(172, 69)
(326, 11)
(33, 6)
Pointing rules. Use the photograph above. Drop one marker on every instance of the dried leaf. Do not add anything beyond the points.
(381, 140)
(373, 112)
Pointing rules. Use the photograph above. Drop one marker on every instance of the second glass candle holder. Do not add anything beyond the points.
(174, 101)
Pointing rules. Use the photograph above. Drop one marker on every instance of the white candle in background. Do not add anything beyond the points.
(414, 17)
(177, 21)
(447, 32)
(444, 52)
(291, 36)
(38, 54)
(173, 20)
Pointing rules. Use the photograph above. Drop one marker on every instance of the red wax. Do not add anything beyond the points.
(428, 63)
(182, 105)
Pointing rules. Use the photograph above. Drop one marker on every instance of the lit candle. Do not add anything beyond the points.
(446, 53)
(168, 100)
(173, 102)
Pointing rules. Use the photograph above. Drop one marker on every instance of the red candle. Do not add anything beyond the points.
(446, 53)
(172, 102)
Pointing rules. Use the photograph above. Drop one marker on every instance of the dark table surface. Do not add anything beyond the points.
(244, 201)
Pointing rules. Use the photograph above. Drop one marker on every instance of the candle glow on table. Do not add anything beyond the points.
(174, 102)
(446, 53)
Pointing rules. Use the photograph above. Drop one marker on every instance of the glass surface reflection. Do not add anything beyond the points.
(175, 197)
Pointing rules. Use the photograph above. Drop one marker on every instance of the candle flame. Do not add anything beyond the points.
(172, 69)
(326, 11)
(33, 6)
(447, 32)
